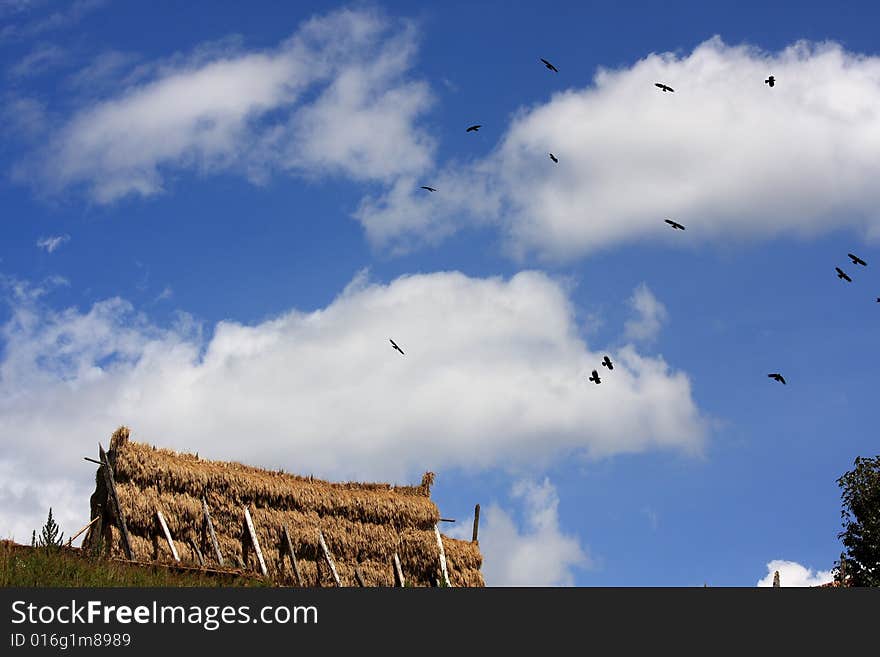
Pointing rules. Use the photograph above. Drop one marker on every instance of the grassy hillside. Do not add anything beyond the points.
(23, 565)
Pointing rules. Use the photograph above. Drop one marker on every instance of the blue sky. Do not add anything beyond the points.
(212, 224)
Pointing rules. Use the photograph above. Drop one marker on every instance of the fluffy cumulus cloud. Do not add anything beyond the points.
(331, 99)
(532, 552)
(724, 154)
(792, 573)
(650, 314)
(494, 375)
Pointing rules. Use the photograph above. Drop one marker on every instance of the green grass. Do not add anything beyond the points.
(23, 565)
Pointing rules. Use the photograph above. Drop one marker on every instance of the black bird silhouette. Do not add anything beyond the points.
(674, 224)
(607, 363)
(771, 81)
(664, 87)
(430, 189)
(878, 299)
(549, 65)
(553, 157)
(595, 378)
(394, 344)
(778, 377)
(857, 260)
(473, 128)
(841, 274)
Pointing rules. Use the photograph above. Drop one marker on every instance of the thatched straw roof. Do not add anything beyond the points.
(364, 525)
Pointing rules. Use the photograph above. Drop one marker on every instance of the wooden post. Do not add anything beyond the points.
(254, 541)
(398, 572)
(72, 538)
(167, 535)
(442, 556)
(210, 526)
(289, 545)
(96, 535)
(328, 557)
(476, 522)
(111, 489)
(359, 576)
(196, 551)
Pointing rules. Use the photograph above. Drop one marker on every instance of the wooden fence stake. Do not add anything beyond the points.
(210, 526)
(167, 535)
(254, 541)
(359, 576)
(398, 572)
(328, 557)
(289, 545)
(476, 522)
(442, 556)
(111, 488)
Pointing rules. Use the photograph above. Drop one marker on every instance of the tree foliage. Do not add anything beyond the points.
(860, 497)
(50, 535)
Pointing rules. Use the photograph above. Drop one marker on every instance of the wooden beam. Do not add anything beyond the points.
(197, 552)
(447, 519)
(359, 576)
(167, 535)
(476, 522)
(210, 525)
(253, 534)
(442, 556)
(72, 538)
(289, 545)
(328, 557)
(398, 572)
(86, 458)
(111, 489)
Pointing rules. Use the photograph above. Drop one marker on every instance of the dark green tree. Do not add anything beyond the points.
(860, 497)
(49, 535)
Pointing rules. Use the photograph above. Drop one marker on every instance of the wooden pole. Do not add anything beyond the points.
(72, 538)
(289, 544)
(167, 535)
(254, 541)
(359, 576)
(210, 525)
(111, 489)
(197, 552)
(328, 557)
(442, 556)
(476, 522)
(398, 572)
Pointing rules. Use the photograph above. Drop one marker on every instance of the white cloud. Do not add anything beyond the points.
(650, 316)
(52, 242)
(230, 109)
(792, 573)
(725, 155)
(494, 375)
(165, 294)
(38, 61)
(539, 553)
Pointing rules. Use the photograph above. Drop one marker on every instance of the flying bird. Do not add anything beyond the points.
(664, 87)
(553, 157)
(771, 81)
(841, 274)
(473, 128)
(778, 377)
(430, 189)
(607, 363)
(394, 345)
(857, 260)
(674, 224)
(549, 65)
(595, 378)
